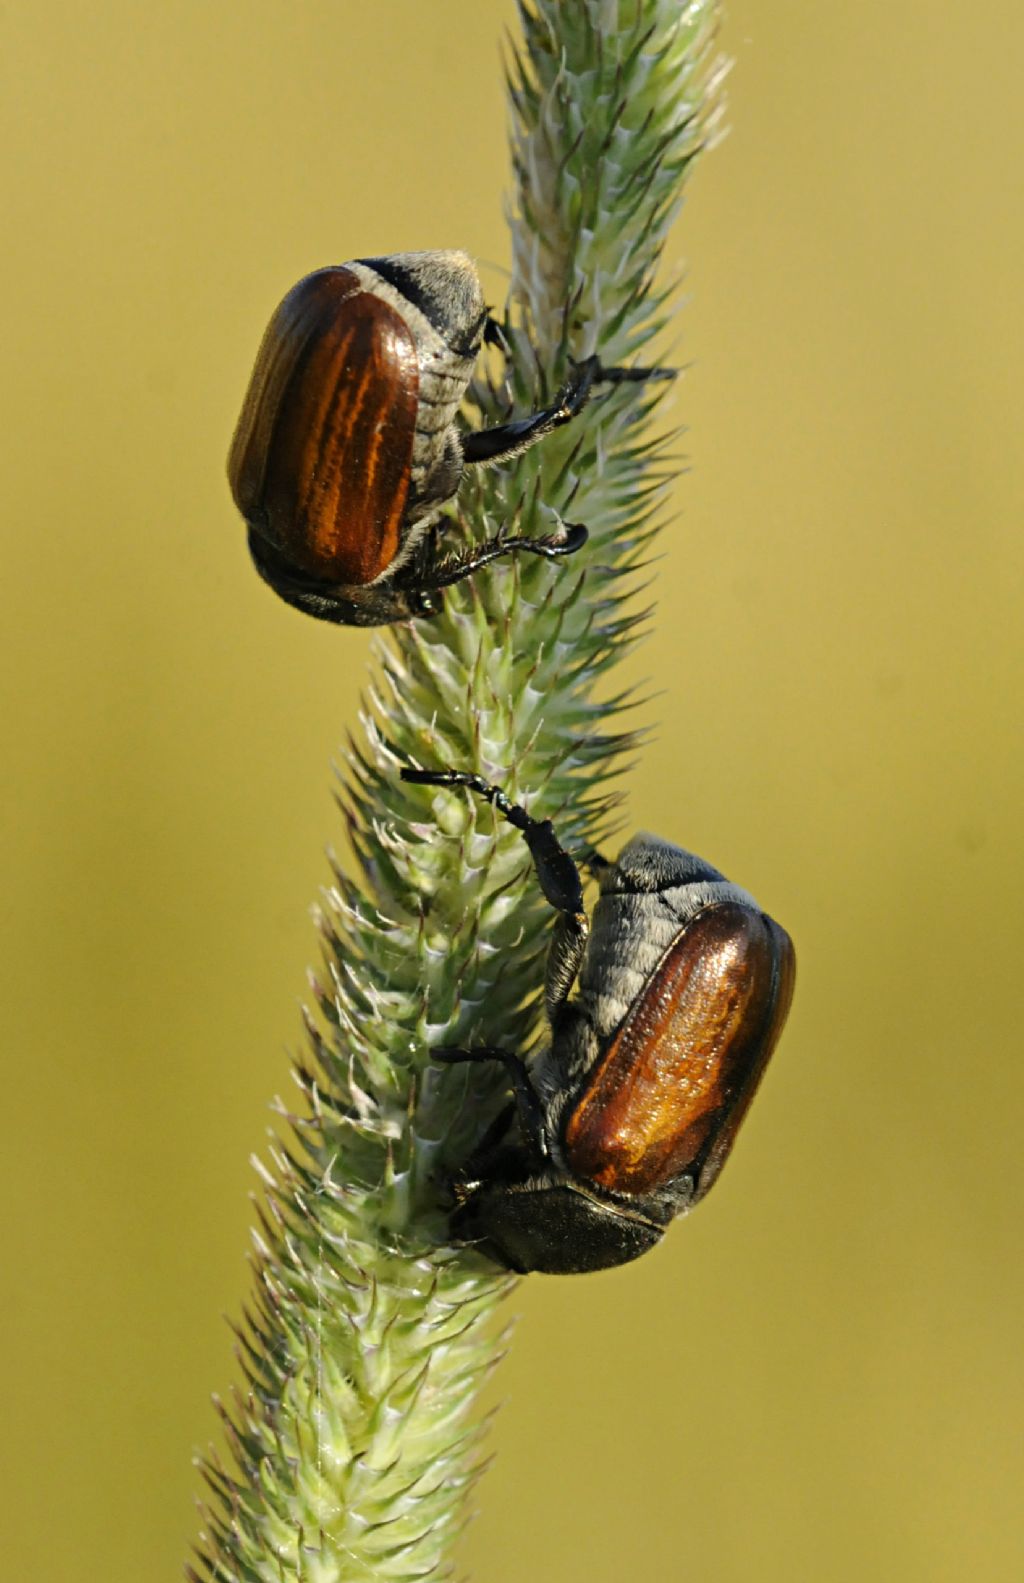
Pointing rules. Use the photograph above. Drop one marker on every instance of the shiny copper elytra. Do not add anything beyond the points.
(724, 1137)
(322, 455)
(685, 1060)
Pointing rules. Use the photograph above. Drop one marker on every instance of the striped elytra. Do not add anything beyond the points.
(321, 459)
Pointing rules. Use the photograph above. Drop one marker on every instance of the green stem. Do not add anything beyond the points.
(368, 1336)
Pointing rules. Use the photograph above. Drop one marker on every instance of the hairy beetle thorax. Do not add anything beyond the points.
(633, 927)
(441, 302)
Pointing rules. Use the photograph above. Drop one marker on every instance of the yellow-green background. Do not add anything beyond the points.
(819, 1376)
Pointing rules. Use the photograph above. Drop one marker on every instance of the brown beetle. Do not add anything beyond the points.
(627, 1118)
(347, 447)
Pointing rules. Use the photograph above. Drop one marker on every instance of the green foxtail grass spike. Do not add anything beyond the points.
(355, 1445)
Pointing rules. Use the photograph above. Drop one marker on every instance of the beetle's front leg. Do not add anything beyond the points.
(454, 568)
(531, 1112)
(558, 875)
(507, 440)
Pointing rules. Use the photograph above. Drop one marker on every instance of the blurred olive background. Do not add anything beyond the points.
(819, 1376)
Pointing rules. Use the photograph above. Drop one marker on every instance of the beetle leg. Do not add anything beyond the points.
(494, 335)
(443, 573)
(506, 440)
(531, 1111)
(473, 1170)
(634, 375)
(424, 555)
(565, 954)
(558, 875)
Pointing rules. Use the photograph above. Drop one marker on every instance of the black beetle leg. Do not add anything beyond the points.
(427, 552)
(506, 440)
(477, 1167)
(635, 375)
(531, 1111)
(565, 955)
(558, 875)
(443, 573)
(494, 335)
(512, 439)
(416, 572)
(413, 581)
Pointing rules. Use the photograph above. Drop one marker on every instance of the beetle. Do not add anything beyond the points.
(626, 1119)
(347, 448)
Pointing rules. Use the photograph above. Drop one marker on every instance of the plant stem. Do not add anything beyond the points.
(368, 1336)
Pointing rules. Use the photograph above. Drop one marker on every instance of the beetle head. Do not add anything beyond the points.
(550, 1223)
